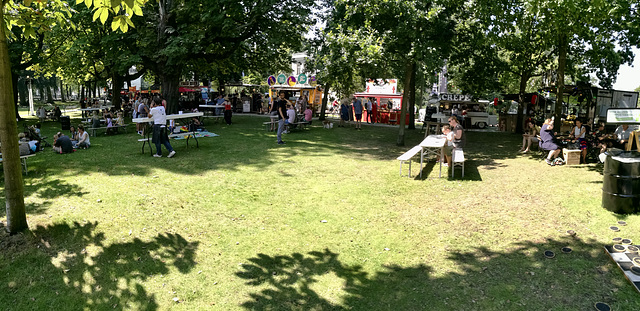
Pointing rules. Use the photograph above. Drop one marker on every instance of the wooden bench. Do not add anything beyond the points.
(94, 130)
(23, 161)
(407, 157)
(457, 159)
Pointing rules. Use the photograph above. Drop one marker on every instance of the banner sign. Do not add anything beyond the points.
(302, 78)
(313, 81)
(455, 97)
(282, 78)
(623, 115)
(271, 80)
(291, 80)
(381, 86)
(205, 93)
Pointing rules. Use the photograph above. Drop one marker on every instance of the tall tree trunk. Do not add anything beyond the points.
(13, 187)
(117, 82)
(524, 77)
(14, 81)
(170, 85)
(412, 99)
(325, 99)
(408, 73)
(562, 63)
(62, 95)
(49, 95)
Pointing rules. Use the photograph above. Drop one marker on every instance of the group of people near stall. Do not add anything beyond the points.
(580, 137)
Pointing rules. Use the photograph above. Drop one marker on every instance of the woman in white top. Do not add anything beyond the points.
(160, 136)
(578, 132)
(83, 138)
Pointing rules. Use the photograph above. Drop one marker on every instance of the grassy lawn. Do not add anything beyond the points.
(321, 223)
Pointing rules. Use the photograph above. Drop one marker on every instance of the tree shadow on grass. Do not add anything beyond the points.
(48, 191)
(72, 267)
(519, 278)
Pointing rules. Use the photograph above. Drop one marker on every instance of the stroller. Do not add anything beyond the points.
(31, 133)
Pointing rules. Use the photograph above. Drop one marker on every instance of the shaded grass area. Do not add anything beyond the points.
(321, 223)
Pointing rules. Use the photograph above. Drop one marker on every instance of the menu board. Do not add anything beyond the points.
(623, 115)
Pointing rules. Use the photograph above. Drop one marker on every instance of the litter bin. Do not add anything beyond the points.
(65, 122)
(621, 184)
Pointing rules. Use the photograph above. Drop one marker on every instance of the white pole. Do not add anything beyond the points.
(31, 111)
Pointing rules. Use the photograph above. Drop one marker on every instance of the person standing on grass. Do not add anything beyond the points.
(227, 111)
(367, 106)
(280, 106)
(160, 136)
(357, 109)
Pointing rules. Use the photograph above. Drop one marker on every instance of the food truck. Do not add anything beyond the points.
(384, 93)
(476, 114)
(294, 87)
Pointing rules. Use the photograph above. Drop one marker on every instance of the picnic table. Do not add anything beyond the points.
(23, 160)
(432, 145)
(189, 134)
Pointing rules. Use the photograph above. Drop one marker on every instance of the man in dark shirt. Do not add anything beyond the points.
(280, 105)
(62, 144)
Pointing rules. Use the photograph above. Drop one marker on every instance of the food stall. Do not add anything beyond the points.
(383, 91)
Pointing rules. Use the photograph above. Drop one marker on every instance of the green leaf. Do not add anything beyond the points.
(104, 15)
(137, 10)
(115, 3)
(96, 14)
(88, 3)
(129, 3)
(115, 24)
(27, 2)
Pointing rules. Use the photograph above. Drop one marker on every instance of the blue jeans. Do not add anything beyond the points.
(280, 129)
(166, 145)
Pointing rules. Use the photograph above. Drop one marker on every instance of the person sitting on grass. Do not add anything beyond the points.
(83, 141)
(73, 135)
(548, 142)
(62, 143)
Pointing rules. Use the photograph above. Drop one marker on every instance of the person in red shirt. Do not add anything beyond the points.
(227, 111)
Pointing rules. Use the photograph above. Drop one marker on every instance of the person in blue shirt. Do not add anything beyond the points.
(357, 110)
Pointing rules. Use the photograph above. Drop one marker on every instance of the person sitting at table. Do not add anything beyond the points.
(108, 119)
(448, 147)
(62, 143)
(530, 136)
(291, 117)
(308, 115)
(622, 134)
(548, 142)
(83, 138)
(143, 111)
(160, 136)
(95, 120)
(578, 133)
(601, 140)
(458, 140)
